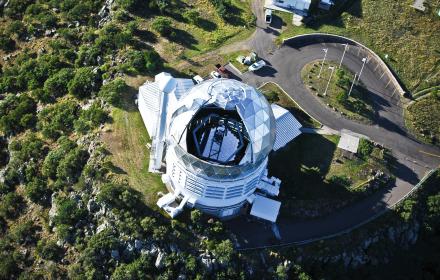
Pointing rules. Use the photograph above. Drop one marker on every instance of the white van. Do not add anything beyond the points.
(268, 15)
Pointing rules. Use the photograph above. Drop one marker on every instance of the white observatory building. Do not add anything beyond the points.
(211, 143)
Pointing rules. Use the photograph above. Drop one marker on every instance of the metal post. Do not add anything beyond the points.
(343, 54)
(328, 83)
(362, 68)
(325, 55)
(352, 84)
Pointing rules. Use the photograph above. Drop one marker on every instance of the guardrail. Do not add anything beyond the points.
(346, 231)
(320, 37)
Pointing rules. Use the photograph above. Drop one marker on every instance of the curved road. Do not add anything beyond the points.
(413, 159)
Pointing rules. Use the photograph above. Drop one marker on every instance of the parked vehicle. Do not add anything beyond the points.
(198, 79)
(257, 65)
(268, 16)
(241, 59)
(215, 75)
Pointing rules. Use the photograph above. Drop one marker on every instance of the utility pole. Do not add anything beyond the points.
(362, 68)
(325, 55)
(328, 83)
(343, 54)
(352, 84)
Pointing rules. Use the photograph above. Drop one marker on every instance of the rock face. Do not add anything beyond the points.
(374, 249)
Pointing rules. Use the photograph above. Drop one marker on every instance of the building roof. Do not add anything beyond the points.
(265, 208)
(287, 126)
(348, 142)
(228, 94)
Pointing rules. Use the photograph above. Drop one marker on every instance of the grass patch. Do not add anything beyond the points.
(357, 106)
(232, 58)
(209, 32)
(126, 139)
(317, 178)
(275, 94)
(408, 36)
(423, 119)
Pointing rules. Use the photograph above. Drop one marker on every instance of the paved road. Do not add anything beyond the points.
(285, 67)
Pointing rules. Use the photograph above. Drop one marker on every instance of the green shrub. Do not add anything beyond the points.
(37, 190)
(140, 268)
(54, 157)
(340, 180)
(6, 43)
(142, 61)
(57, 119)
(70, 167)
(17, 113)
(16, 8)
(365, 148)
(11, 205)
(84, 83)
(112, 91)
(48, 250)
(192, 16)
(17, 28)
(119, 197)
(342, 97)
(56, 85)
(90, 118)
(162, 25)
(68, 212)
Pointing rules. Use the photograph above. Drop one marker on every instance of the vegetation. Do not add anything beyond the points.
(393, 28)
(358, 106)
(275, 94)
(423, 118)
(317, 177)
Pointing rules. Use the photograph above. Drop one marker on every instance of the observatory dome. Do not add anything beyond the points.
(225, 123)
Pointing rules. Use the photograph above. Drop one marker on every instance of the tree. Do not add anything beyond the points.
(84, 83)
(16, 8)
(141, 268)
(224, 251)
(281, 272)
(90, 118)
(340, 181)
(162, 25)
(6, 43)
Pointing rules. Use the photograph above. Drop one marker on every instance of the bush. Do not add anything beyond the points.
(340, 181)
(57, 119)
(6, 43)
(342, 97)
(48, 250)
(17, 113)
(37, 191)
(68, 212)
(56, 85)
(142, 61)
(84, 83)
(70, 167)
(17, 28)
(162, 25)
(112, 91)
(140, 268)
(16, 8)
(119, 197)
(23, 232)
(11, 205)
(365, 148)
(272, 96)
(192, 16)
(54, 157)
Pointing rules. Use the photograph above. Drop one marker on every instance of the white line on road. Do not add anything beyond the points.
(382, 75)
(389, 81)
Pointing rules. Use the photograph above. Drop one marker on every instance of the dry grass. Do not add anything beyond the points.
(126, 139)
